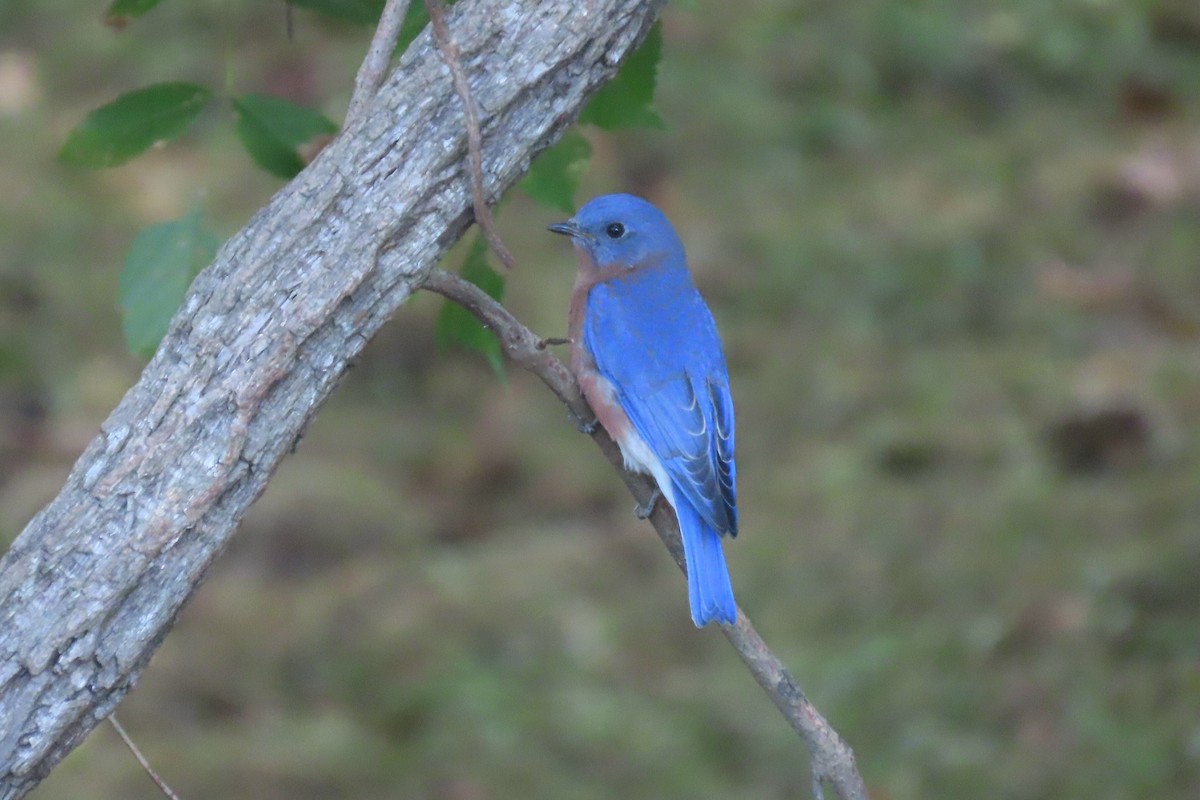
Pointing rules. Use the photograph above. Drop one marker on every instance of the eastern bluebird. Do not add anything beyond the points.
(648, 358)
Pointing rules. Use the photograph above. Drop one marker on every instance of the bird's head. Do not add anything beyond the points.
(621, 230)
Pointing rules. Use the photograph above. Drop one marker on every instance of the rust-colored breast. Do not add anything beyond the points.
(595, 387)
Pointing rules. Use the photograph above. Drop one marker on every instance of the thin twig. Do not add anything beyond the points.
(133, 748)
(379, 55)
(832, 759)
(450, 54)
(521, 344)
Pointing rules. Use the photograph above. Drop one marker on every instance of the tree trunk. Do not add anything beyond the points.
(93, 584)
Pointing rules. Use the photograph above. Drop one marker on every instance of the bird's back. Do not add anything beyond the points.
(655, 316)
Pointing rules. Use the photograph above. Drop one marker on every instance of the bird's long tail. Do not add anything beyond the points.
(710, 591)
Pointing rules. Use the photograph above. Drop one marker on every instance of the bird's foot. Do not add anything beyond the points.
(644, 510)
(550, 341)
(585, 426)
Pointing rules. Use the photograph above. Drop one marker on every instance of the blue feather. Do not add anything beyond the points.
(710, 592)
(651, 337)
(667, 366)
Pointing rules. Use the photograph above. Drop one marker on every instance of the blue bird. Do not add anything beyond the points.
(649, 360)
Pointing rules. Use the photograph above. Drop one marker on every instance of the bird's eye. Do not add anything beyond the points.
(615, 230)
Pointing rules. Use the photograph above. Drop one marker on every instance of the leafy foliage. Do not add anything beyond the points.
(273, 130)
(358, 12)
(164, 258)
(134, 122)
(555, 175)
(121, 12)
(456, 325)
(625, 101)
(161, 264)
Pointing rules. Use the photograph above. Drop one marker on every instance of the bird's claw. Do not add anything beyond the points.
(585, 426)
(644, 510)
(549, 341)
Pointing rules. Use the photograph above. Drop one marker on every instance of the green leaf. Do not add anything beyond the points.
(624, 102)
(358, 12)
(557, 172)
(273, 129)
(456, 325)
(131, 124)
(161, 264)
(121, 12)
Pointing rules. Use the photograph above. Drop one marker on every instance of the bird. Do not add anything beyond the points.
(648, 357)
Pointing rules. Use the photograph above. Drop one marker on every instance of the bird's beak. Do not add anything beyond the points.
(569, 228)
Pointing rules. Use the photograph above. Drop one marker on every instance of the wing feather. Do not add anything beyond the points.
(673, 385)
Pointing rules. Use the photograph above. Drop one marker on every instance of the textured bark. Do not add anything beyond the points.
(95, 581)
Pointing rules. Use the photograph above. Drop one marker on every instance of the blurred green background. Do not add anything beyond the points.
(953, 249)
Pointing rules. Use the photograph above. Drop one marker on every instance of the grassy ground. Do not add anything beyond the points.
(952, 250)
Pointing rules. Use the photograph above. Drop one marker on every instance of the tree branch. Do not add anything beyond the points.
(95, 581)
(379, 56)
(450, 54)
(832, 759)
(162, 785)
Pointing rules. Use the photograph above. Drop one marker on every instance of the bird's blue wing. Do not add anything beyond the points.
(669, 373)
(681, 423)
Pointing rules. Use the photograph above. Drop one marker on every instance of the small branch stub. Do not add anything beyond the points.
(379, 57)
